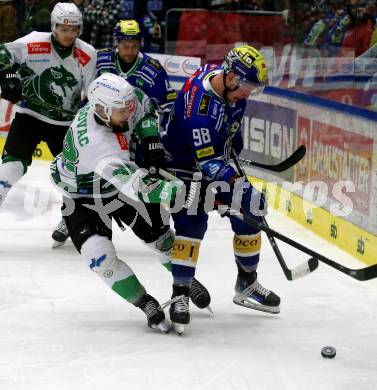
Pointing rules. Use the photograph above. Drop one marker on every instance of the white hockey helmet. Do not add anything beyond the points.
(67, 14)
(110, 91)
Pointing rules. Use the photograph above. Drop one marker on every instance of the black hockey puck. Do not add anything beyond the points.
(328, 352)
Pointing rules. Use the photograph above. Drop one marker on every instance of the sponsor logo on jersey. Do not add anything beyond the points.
(149, 70)
(209, 151)
(122, 141)
(154, 63)
(194, 91)
(81, 56)
(238, 111)
(204, 104)
(38, 61)
(39, 48)
(170, 97)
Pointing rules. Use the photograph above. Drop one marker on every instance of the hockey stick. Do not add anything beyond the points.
(291, 274)
(47, 105)
(293, 159)
(361, 274)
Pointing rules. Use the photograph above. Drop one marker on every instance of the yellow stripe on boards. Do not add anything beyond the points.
(351, 238)
(41, 152)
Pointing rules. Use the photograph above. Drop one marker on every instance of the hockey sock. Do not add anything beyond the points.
(11, 171)
(163, 247)
(100, 254)
(184, 257)
(246, 250)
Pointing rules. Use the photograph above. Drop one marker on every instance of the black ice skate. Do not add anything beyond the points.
(154, 313)
(179, 308)
(60, 234)
(200, 296)
(250, 293)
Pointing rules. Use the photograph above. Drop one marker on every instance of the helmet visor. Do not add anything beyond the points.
(250, 87)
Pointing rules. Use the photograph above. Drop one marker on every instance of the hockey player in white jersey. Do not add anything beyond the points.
(44, 74)
(100, 182)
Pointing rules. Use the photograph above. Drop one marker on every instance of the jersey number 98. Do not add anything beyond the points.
(201, 136)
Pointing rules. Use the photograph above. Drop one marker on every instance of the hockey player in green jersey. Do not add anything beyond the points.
(140, 70)
(53, 69)
(100, 184)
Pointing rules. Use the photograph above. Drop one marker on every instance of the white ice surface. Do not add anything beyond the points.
(62, 328)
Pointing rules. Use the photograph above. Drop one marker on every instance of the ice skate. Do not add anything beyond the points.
(60, 234)
(251, 294)
(200, 296)
(154, 313)
(179, 308)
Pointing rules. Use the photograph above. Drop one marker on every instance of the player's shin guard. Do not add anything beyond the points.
(162, 246)
(11, 172)
(246, 250)
(199, 295)
(249, 292)
(100, 254)
(184, 257)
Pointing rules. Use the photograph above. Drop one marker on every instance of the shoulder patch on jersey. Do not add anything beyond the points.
(204, 104)
(156, 64)
(205, 152)
(81, 56)
(39, 48)
(149, 70)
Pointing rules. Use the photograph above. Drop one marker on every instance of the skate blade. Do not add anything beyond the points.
(178, 328)
(209, 308)
(164, 326)
(256, 306)
(57, 244)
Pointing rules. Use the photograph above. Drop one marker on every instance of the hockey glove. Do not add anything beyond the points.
(153, 189)
(153, 152)
(219, 170)
(10, 84)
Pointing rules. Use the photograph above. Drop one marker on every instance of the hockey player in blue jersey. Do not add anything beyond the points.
(126, 60)
(204, 127)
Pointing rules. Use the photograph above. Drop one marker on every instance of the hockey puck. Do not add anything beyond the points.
(328, 352)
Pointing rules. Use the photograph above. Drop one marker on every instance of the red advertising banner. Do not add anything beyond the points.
(334, 155)
(198, 30)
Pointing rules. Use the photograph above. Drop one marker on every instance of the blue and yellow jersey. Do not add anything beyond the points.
(202, 125)
(146, 73)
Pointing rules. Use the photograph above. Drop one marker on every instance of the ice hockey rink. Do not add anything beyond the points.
(63, 328)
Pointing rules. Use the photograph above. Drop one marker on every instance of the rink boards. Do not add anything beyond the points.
(341, 145)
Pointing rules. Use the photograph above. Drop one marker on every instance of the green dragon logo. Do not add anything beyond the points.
(51, 86)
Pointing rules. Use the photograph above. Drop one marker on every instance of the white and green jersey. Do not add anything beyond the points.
(95, 161)
(49, 75)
